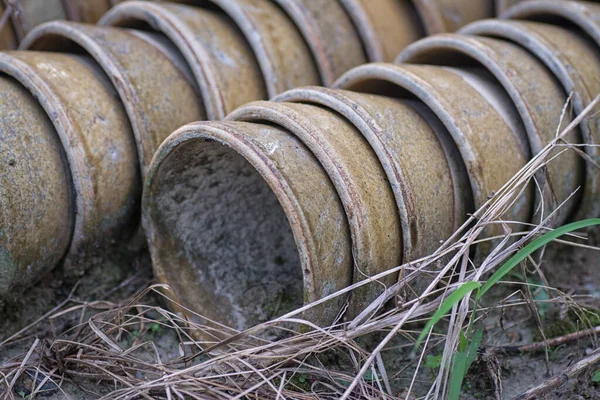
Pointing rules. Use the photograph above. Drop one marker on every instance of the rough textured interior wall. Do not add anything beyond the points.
(231, 235)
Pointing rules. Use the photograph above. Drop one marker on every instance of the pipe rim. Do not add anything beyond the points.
(321, 48)
(58, 246)
(162, 20)
(79, 34)
(395, 74)
(479, 49)
(275, 72)
(406, 79)
(118, 77)
(82, 174)
(74, 151)
(575, 12)
(519, 33)
(338, 101)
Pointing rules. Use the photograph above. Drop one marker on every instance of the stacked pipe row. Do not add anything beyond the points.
(84, 107)
(18, 17)
(289, 200)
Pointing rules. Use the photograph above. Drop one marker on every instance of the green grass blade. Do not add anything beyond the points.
(459, 370)
(446, 306)
(473, 346)
(530, 248)
(462, 363)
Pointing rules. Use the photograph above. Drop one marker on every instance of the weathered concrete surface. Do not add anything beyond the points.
(159, 96)
(330, 35)
(96, 137)
(575, 62)
(538, 97)
(36, 203)
(223, 64)
(384, 26)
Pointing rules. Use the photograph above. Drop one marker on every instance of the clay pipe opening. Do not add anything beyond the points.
(240, 231)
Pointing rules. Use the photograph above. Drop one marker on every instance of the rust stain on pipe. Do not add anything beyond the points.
(283, 56)
(385, 26)
(88, 11)
(502, 5)
(8, 38)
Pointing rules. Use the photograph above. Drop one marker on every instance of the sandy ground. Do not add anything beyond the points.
(574, 271)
